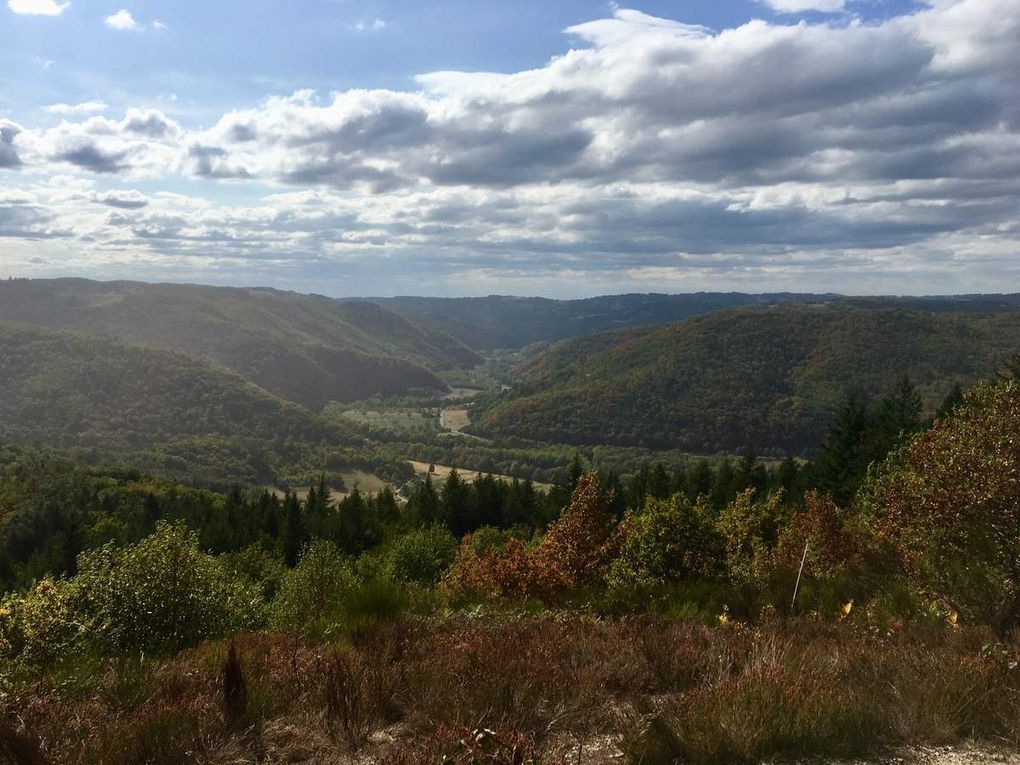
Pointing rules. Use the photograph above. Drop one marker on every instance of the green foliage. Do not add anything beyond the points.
(949, 502)
(772, 378)
(161, 594)
(671, 540)
(750, 528)
(421, 556)
(310, 599)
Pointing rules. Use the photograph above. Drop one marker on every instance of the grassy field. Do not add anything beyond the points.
(441, 472)
(400, 421)
(455, 419)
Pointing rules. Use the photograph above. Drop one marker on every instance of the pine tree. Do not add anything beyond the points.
(658, 482)
(843, 461)
(950, 403)
(457, 508)
(575, 471)
(293, 529)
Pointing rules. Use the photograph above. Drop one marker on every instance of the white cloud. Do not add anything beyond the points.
(651, 150)
(122, 20)
(86, 107)
(38, 7)
(800, 6)
(369, 26)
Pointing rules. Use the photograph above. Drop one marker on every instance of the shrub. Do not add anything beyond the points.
(671, 540)
(576, 552)
(949, 503)
(161, 594)
(750, 526)
(39, 627)
(312, 593)
(421, 556)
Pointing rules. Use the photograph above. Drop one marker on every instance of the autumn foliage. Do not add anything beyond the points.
(575, 552)
(949, 503)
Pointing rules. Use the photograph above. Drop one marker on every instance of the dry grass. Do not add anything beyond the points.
(537, 689)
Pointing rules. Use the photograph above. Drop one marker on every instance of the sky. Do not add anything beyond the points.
(562, 148)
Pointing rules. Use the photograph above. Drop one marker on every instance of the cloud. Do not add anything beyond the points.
(86, 107)
(367, 26)
(8, 154)
(800, 6)
(122, 20)
(125, 200)
(650, 150)
(38, 7)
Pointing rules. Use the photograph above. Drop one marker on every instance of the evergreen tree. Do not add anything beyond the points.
(357, 531)
(751, 473)
(658, 482)
(699, 480)
(843, 460)
(294, 535)
(457, 503)
(575, 471)
(950, 403)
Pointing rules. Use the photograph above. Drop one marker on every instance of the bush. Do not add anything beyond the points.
(671, 540)
(161, 594)
(575, 553)
(311, 596)
(421, 556)
(750, 529)
(949, 503)
(39, 627)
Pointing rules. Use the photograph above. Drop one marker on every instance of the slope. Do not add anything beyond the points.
(66, 390)
(771, 378)
(306, 348)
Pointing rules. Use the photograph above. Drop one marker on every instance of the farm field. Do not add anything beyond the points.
(441, 472)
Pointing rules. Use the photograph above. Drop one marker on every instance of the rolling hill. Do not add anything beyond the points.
(306, 348)
(174, 413)
(501, 322)
(771, 378)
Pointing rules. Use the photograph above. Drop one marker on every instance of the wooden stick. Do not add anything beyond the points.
(796, 587)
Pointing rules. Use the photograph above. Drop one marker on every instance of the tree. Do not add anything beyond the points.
(294, 532)
(898, 417)
(844, 461)
(950, 403)
(457, 510)
(671, 540)
(949, 503)
(575, 470)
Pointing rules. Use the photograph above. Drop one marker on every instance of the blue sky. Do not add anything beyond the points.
(556, 148)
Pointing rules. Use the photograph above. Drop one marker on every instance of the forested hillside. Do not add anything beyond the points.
(770, 378)
(497, 321)
(154, 408)
(306, 348)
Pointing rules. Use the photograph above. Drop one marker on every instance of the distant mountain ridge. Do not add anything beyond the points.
(307, 348)
(497, 321)
(767, 377)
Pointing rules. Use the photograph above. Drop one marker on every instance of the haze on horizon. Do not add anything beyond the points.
(556, 149)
